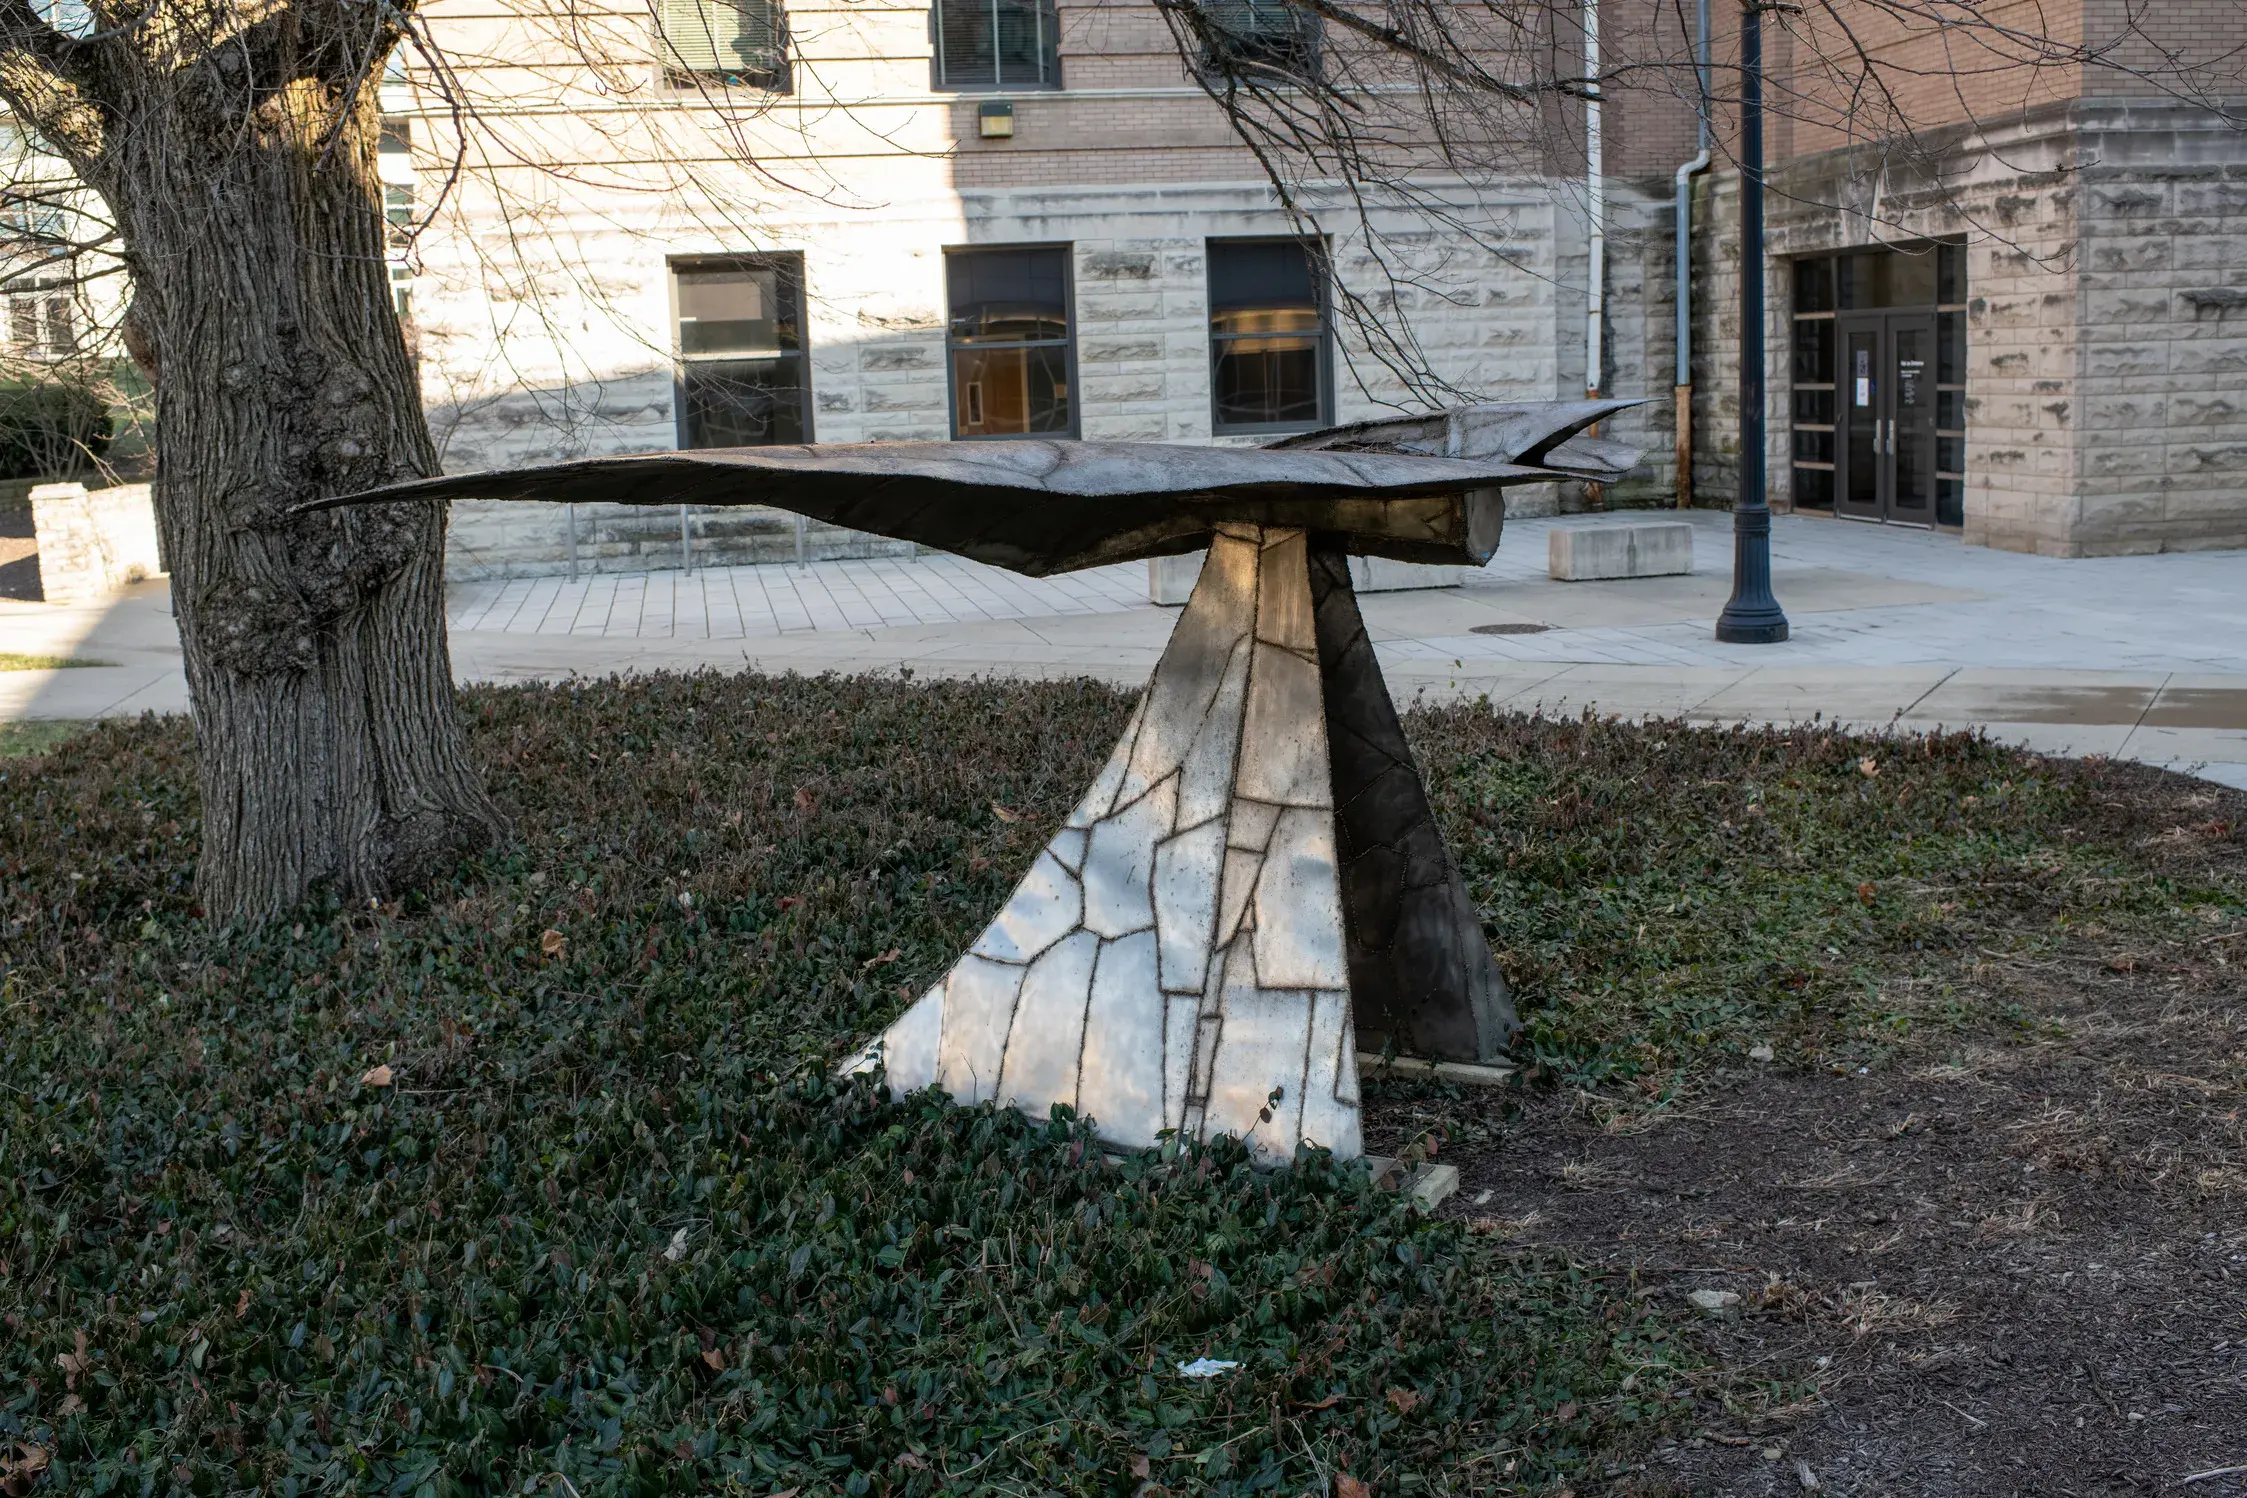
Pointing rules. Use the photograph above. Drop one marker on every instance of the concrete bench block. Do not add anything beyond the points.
(1661, 549)
(1170, 580)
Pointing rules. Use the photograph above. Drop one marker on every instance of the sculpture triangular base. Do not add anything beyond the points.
(1179, 957)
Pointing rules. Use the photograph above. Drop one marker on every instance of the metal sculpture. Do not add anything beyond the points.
(1254, 886)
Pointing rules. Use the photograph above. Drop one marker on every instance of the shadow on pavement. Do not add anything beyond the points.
(19, 555)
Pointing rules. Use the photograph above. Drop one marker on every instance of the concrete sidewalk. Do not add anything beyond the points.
(2137, 657)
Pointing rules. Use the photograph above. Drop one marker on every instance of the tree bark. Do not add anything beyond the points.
(332, 750)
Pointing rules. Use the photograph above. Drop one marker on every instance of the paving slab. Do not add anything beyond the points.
(2198, 702)
(1972, 695)
(1866, 695)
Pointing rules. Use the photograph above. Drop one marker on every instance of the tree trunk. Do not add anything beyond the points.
(332, 750)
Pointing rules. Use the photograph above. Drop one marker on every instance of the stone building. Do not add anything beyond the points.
(876, 220)
(2018, 320)
(868, 220)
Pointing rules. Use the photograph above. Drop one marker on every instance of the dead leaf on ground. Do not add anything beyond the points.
(20, 1466)
(1004, 814)
(1868, 767)
(74, 1363)
(1402, 1400)
(1327, 1403)
(807, 799)
(716, 1358)
(1346, 1486)
(874, 962)
(551, 942)
(1139, 1466)
(376, 1076)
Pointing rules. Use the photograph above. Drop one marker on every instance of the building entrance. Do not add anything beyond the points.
(1879, 385)
(1885, 462)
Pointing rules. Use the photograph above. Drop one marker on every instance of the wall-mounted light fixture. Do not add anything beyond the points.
(994, 119)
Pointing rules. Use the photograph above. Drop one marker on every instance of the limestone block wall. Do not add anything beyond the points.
(2106, 323)
(589, 371)
(1642, 339)
(92, 544)
(2161, 385)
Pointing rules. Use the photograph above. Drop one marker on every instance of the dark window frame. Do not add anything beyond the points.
(671, 65)
(789, 266)
(940, 66)
(1068, 341)
(1297, 56)
(1321, 263)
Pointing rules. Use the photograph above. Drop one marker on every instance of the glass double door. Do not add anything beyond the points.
(1886, 455)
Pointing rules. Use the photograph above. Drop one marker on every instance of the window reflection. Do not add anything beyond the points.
(1267, 331)
(1009, 336)
(741, 362)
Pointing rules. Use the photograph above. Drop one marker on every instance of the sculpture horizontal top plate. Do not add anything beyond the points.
(1040, 507)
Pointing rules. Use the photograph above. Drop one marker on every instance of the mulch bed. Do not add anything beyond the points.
(1986, 1262)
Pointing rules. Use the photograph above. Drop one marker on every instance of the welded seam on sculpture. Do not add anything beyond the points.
(1151, 761)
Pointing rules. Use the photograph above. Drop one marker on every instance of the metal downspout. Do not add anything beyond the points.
(1684, 236)
(1595, 197)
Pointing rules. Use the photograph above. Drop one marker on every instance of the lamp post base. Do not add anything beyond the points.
(1751, 629)
(1752, 615)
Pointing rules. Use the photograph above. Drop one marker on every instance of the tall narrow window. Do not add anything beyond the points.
(1259, 35)
(741, 351)
(1010, 344)
(1814, 386)
(1950, 384)
(398, 212)
(730, 42)
(1267, 335)
(996, 44)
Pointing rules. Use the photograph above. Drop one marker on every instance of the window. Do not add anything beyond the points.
(43, 320)
(1814, 398)
(1271, 36)
(1009, 343)
(741, 379)
(1950, 384)
(28, 221)
(732, 42)
(995, 44)
(1267, 335)
(398, 210)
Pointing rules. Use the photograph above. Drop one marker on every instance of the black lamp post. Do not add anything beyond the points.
(1752, 616)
